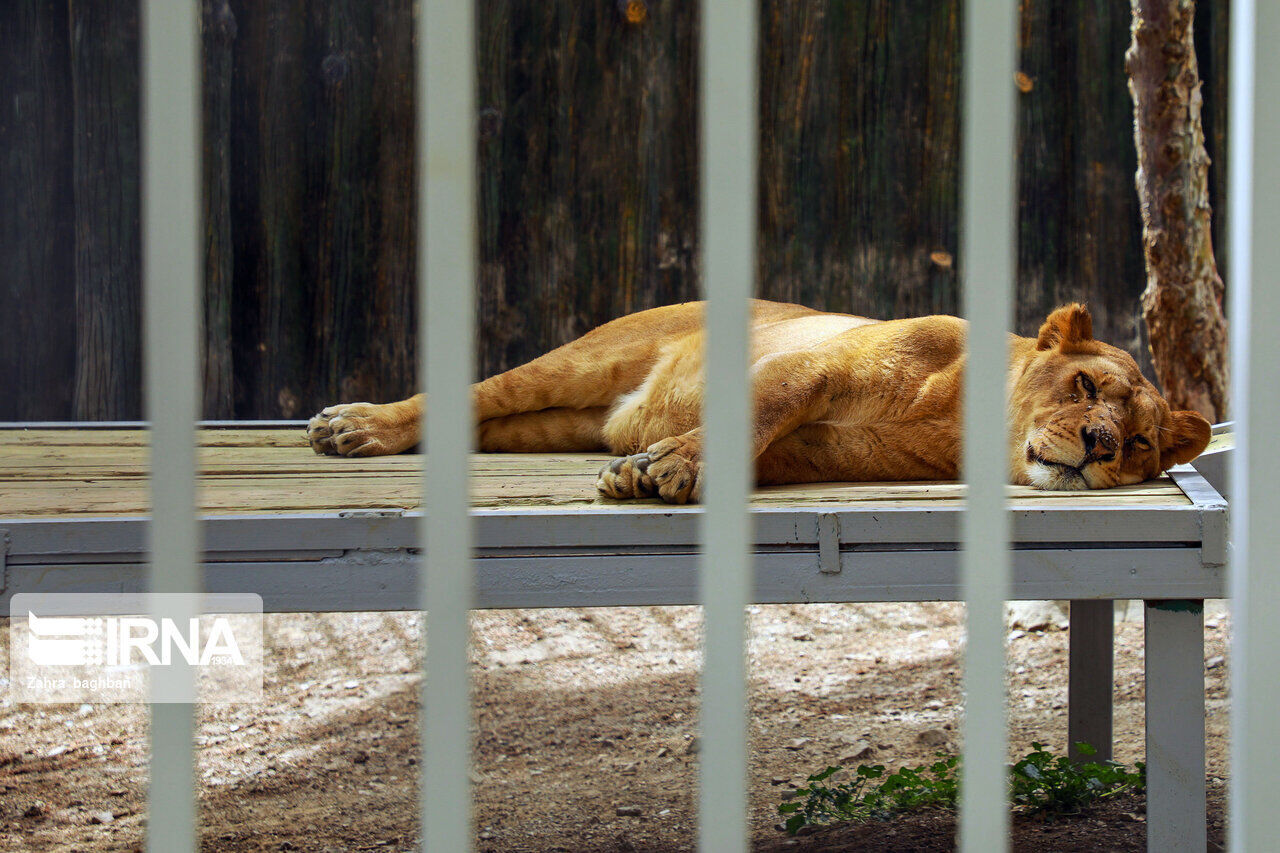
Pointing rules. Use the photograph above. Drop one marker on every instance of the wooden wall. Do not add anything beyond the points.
(587, 141)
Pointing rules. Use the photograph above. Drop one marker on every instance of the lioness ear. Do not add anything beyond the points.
(1184, 438)
(1069, 325)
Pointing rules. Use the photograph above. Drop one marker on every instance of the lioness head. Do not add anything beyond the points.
(1082, 416)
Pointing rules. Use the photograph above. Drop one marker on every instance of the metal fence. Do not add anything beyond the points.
(729, 113)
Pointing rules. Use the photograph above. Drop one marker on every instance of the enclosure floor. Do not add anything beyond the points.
(103, 472)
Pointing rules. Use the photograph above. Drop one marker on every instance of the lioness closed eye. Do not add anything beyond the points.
(837, 397)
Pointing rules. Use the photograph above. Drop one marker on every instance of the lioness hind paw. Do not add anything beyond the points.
(627, 477)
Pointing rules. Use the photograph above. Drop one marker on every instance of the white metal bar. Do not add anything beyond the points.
(987, 258)
(1174, 663)
(170, 47)
(729, 127)
(1254, 221)
(446, 276)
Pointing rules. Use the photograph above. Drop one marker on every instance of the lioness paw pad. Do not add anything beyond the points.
(627, 477)
(676, 467)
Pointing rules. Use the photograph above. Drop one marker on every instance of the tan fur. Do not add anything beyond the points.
(837, 397)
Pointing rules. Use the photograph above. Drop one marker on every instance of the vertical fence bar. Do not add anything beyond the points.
(987, 258)
(728, 126)
(170, 48)
(446, 285)
(1254, 222)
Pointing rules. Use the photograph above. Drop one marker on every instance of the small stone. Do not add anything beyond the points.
(1215, 662)
(627, 769)
(287, 845)
(1033, 616)
(857, 751)
(779, 780)
(934, 705)
(798, 743)
(629, 811)
(806, 637)
(351, 685)
(36, 809)
(693, 746)
(360, 758)
(101, 817)
(932, 737)
(664, 752)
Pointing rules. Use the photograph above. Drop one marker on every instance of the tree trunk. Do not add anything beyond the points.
(1183, 299)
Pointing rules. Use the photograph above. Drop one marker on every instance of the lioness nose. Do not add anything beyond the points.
(1093, 437)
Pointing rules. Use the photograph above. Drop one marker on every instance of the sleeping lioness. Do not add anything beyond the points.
(837, 397)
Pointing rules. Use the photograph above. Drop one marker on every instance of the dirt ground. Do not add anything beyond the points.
(579, 714)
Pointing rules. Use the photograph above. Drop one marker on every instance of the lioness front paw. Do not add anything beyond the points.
(359, 429)
(675, 464)
(627, 477)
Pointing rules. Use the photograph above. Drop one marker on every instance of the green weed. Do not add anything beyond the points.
(1038, 783)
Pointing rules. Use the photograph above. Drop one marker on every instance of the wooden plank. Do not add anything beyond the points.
(102, 472)
(235, 495)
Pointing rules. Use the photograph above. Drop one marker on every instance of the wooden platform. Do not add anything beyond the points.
(310, 533)
(97, 473)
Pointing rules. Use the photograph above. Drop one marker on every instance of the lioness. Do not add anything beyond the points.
(837, 397)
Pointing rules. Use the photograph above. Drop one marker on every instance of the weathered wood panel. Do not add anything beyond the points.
(37, 262)
(1080, 231)
(859, 155)
(106, 179)
(587, 169)
(587, 141)
(218, 22)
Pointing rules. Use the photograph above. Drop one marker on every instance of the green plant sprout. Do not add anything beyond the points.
(1040, 783)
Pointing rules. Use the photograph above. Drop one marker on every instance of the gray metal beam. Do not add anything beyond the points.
(385, 579)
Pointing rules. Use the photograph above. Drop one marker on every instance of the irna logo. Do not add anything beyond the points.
(128, 640)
